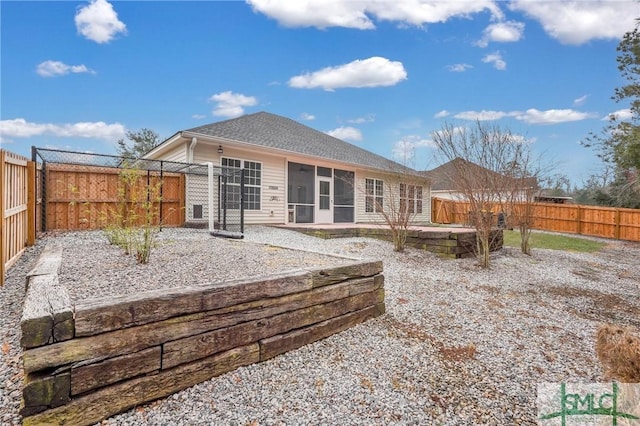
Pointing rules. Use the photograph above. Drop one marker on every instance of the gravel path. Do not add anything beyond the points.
(458, 345)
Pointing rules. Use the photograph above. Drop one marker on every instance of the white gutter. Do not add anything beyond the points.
(194, 141)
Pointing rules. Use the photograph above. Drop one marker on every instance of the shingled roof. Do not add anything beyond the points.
(445, 176)
(273, 131)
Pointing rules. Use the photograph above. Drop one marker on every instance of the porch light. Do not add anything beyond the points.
(220, 150)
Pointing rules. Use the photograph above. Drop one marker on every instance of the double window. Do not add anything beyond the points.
(411, 198)
(231, 168)
(374, 196)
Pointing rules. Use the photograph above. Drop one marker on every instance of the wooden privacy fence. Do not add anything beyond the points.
(607, 222)
(87, 197)
(72, 197)
(18, 207)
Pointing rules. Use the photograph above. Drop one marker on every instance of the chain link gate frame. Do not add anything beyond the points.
(226, 186)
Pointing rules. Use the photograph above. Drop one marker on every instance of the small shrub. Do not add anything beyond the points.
(135, 221)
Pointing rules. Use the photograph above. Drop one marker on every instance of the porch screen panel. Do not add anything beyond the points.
(343, 208)
(301, 191)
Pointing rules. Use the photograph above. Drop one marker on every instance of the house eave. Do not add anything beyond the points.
(166, 145)
(284, 152)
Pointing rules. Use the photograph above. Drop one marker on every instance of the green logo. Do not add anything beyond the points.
(592, 400)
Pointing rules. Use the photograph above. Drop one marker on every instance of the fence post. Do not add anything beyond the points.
(2, 231)
(43, 197)
(31, 203)
(212, 219)
(219, 189)
(617, 225)
(579, 220)
(161, 191)
(183, 202)
(242, 174)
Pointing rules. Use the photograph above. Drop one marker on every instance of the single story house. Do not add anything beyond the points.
(297, 174)
(445, 180)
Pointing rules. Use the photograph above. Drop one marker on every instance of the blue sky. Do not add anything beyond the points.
(380, 74)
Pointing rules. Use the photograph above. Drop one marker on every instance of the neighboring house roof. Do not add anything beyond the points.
(273, 131)
(444, 177)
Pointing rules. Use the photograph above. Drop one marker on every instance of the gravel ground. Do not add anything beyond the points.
(458, 345)
(182, 257)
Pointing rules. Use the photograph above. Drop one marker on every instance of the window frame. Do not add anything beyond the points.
(411, 196)
(374, 195)
(252, 180)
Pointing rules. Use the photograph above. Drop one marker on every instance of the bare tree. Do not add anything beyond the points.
(520, 189)
(395, 199)
(401, 202)
(485, 160)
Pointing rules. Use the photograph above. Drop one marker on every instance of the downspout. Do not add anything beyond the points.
(194, 141)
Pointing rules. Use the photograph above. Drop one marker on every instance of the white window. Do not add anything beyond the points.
(252, 182)
(411, 198)
(374, 195)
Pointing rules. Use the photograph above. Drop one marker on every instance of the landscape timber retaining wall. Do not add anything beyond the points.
(88, 361)
(445, 244)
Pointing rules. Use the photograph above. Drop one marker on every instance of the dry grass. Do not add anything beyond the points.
(448, 353)
(618, 349)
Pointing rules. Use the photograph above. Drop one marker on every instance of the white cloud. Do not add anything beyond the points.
(442, 114)
(482, 115)
(360, 14)
(371, 72)
(577, 22)
(419, 12)
(319, 14)
(501, 32)
(531, 116)
(459, 67)
(369, 118)
(552, 116)
(521, 139)
(619, 115)
(231, 104)
(99, 22)
(581, 100)
(55, 68)
(346, 133)
(198, 116)
(307, 117)
(404, 149)
(495, 59)
(445, 133)
(21, 128)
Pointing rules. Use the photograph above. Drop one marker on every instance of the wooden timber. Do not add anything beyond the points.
(95, 406)
(47, 315)
(112, 370)
(107, 314)
(129, 350)
(201, 345)
(295, 339)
